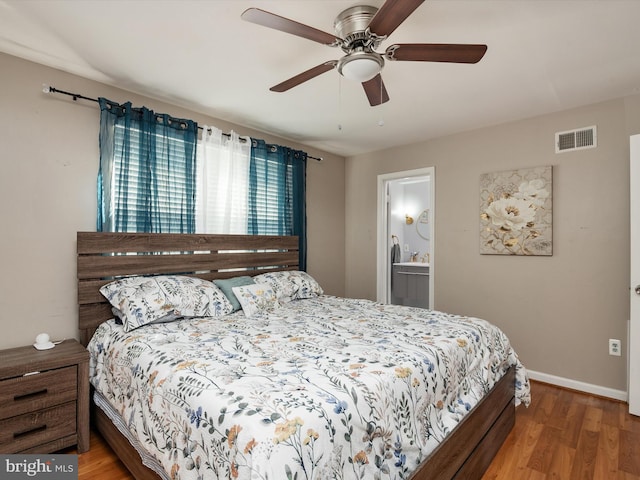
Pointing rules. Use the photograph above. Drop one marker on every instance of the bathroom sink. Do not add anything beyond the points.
(412, 264)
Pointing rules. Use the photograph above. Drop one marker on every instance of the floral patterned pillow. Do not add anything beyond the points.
(256, 298)
(291, 284)
(144, 300)
(281, 283)
(308, 287)
(227, 288)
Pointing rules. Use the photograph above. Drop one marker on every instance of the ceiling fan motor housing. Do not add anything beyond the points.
(352, 26)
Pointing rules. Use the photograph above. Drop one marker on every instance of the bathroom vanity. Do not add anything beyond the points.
(410, 284)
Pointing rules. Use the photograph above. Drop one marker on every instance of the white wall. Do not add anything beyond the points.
(408, 198)
(48, 174)
(558, 311)
(417, 198)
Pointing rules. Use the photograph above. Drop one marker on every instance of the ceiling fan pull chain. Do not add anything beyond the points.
(381, 121)
(340, 102)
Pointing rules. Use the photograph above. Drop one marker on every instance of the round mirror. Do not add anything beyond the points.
(422, 224)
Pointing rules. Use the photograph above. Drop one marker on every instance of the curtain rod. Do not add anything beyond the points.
(49, 89)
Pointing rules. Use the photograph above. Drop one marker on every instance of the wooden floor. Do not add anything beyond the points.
(567, 435)
(563, 435)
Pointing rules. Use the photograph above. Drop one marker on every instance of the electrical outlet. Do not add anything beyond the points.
(406, 247)
(614, 347)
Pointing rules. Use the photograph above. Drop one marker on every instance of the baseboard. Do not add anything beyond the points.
(580, 386)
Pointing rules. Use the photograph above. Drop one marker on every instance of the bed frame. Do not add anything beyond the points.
(103, 256)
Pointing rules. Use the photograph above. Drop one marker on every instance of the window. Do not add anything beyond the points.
(149, 180)
(277, 193)
(146, 181)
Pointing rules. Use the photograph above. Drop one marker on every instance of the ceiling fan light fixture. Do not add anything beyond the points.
(360, 66)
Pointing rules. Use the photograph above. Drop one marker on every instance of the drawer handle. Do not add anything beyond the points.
(25, 396)
(37, 429)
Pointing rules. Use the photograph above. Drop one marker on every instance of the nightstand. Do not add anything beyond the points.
(44, 399)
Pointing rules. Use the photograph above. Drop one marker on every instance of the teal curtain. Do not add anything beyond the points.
(147, 174)
(277, 193)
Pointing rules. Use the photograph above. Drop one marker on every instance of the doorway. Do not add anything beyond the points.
(406, 215)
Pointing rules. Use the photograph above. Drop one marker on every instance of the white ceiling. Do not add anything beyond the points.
(543, 56)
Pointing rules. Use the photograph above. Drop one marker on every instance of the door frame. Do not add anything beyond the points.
(383, 283)
(634, 267)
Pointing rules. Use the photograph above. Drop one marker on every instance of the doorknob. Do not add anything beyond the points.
(637, 289)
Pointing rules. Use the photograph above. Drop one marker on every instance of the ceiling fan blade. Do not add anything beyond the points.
(436, 52)
(391, 15)
(304, 76)
(376, 91)
(271, 20)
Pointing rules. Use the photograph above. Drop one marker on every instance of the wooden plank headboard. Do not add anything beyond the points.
(103, 256)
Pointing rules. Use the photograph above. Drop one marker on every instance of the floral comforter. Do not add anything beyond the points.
(324, 388)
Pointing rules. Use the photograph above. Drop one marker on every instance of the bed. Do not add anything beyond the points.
(374, 342)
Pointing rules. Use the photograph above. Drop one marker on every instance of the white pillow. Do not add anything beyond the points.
(291, 284)
(144, 300)
(256, 298)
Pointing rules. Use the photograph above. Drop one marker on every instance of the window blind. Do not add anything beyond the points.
(147, 171)
(150, 189)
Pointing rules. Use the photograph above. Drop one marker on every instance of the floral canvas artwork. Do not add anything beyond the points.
(516, 212)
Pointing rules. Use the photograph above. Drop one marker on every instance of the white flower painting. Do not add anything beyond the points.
(516, 213)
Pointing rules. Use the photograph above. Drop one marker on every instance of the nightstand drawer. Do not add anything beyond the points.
(33, 392)
(30, 429)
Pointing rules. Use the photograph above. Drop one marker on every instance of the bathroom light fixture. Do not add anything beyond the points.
(408, 219)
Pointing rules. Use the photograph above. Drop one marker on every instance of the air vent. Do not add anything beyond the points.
(578, 139)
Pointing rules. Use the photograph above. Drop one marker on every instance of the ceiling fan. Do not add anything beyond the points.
(359, 31)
